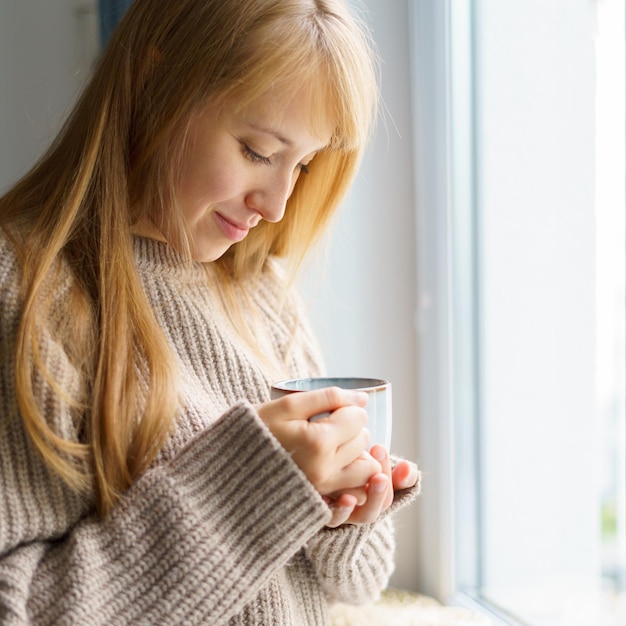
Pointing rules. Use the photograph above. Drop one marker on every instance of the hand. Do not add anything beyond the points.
(365, 505)
(330, 451)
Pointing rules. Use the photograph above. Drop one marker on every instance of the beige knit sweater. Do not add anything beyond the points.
(224, 528)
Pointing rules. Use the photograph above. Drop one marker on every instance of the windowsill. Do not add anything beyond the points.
(549, 608)
(403, 608)
(476, 604)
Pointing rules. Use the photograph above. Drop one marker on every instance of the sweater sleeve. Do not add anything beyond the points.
(192, 541)
(189, 542)
(354, 563)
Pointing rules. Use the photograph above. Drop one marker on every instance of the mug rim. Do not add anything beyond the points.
(361, 383)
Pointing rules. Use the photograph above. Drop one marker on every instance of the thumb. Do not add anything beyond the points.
(306, 404)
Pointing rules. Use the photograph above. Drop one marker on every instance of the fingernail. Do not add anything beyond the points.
(378, 486)
(379, 453)
(361, 398)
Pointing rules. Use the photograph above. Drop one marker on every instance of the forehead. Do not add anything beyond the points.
(289, 115)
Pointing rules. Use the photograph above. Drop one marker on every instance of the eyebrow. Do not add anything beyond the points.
(274, 133)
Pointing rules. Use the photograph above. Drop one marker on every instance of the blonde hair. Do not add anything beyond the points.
(114, 163)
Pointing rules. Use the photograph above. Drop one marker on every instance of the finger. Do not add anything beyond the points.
(359, 493)
(404, 475)
(377, 490)
(356, 474)
(352, 448)
(349, 421)
(306, 404)
(341, 510)
(380, 454)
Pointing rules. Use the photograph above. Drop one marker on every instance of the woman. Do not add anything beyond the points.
(145, 309)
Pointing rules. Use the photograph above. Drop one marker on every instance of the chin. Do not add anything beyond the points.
(208, 255)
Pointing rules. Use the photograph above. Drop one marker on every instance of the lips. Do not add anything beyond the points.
(234, 232)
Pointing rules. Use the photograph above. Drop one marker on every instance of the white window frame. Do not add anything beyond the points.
(448, 334)
(444, 188)
(431, 115)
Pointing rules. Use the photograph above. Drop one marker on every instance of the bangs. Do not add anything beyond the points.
(337, 72)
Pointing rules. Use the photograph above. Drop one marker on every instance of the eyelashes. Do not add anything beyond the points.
(255, 157)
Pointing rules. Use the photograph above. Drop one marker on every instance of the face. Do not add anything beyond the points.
(241, 167)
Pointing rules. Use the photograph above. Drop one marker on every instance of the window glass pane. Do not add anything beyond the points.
(548, 295)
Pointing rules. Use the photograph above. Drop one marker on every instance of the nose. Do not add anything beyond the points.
(269, 197)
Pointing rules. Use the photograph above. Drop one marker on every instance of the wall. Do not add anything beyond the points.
(363, 304)
(46, 47)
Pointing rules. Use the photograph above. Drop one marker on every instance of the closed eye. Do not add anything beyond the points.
(253, 156)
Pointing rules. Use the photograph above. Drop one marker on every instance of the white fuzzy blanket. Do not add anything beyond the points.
(401, 608)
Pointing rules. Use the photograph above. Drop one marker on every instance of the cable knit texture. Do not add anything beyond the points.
(224, 528)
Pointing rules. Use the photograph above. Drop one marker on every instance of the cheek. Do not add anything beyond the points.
(201, 186)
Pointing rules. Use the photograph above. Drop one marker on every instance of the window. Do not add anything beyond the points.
(520, 151)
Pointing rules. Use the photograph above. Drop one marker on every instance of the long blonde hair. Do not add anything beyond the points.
(115, 162)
